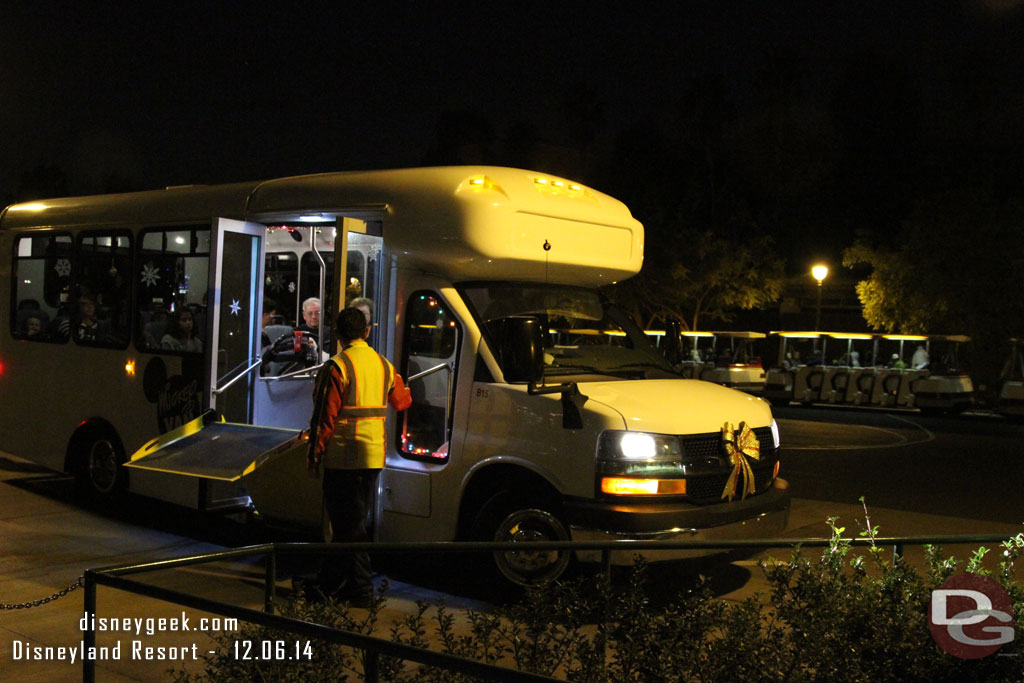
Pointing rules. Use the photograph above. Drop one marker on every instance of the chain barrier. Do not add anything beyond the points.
(42, 601)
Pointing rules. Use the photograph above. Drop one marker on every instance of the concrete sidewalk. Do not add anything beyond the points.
(47, 541)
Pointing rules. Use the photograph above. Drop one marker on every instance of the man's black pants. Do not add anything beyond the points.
(347, 497)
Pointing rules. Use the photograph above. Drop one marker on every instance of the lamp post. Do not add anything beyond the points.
(819, 272)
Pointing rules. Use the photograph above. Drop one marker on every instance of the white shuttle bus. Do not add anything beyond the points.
(135, 355)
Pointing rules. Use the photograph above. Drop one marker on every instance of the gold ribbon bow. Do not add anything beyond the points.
(739, 449)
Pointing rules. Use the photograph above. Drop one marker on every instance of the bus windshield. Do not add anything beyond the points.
(583, 333)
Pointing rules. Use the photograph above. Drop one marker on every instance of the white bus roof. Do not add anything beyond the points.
(468, 222)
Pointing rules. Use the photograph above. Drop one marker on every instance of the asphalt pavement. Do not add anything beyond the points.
(919, 477)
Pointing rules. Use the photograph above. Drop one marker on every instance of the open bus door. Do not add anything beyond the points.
(241, 440)
(215, 452)
(221, 446)
(236, 274)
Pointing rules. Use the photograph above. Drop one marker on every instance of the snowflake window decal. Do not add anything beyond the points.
(63, 267)
(276, 282)
(235, 307)
(150, 275)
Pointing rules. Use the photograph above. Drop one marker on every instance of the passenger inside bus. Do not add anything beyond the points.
(30, 320)
(155, 327)
(365, 305)
(88, 328)
(180, 334)
(33, 328)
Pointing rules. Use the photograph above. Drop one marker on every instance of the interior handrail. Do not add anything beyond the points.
(220, 390)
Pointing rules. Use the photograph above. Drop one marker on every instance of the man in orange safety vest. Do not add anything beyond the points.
(347, 438)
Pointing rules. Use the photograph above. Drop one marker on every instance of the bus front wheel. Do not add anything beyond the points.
(506, 519)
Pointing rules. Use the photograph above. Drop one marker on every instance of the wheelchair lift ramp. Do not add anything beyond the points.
(223, 451)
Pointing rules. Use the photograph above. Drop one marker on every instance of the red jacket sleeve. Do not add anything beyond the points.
(327, 395)
(400, 397)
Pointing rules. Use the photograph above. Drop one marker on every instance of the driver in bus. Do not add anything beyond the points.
(310, 316)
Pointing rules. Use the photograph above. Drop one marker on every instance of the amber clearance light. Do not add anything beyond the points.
(627, 486)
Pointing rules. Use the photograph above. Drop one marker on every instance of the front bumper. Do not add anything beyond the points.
(764, 515)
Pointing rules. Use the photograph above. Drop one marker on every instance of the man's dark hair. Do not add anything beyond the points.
(350, 324)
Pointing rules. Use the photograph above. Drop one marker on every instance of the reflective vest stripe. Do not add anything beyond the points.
(350, 426)
(361, 411)
(350, 380)
(359, 439)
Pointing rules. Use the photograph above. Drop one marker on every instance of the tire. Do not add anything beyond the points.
(99, 475)
(507, 517)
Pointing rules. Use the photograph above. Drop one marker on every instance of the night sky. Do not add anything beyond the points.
(827, 108)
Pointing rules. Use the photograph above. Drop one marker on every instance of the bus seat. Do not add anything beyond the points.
(29, 305)
(153, 332)
(271, 333)
(275, 332)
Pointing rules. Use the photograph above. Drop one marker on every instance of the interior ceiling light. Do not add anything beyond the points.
(315, 218)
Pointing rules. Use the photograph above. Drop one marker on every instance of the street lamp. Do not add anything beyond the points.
(819, 272)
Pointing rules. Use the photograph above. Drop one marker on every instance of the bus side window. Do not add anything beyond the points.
(431, 345)
(171, 279)
(101, 315)
(41, 276)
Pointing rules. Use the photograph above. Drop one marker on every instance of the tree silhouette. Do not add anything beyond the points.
(954, 267)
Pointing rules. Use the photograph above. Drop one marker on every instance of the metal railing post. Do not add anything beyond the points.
(371, 666)
(270, 587)
(606, 565)
(89, 635)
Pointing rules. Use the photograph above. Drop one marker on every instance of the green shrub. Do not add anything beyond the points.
(842, 616)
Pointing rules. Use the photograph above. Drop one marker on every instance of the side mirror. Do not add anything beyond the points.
(520, 343)
(671, 345)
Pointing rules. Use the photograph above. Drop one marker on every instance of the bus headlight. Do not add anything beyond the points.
(640, 463)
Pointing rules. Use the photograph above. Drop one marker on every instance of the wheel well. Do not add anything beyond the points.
(85, 433)
(495, 478)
